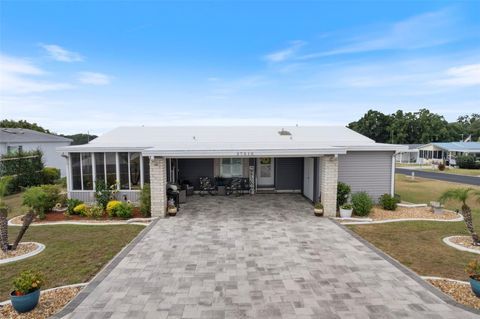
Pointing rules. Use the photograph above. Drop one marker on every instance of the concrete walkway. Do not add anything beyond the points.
(262, 256)
(454, 178)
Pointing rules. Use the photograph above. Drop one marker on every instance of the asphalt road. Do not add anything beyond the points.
(471, 180)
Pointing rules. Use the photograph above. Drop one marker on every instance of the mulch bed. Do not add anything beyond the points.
(460, 292)
(22, 249)
(49, 304)
(465, 241)
(378, 213)
(60, 217)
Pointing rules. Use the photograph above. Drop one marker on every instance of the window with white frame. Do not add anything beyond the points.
(231, 167)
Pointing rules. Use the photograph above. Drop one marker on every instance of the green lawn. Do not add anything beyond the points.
(458, 171)
(418, 245)
(73, 253)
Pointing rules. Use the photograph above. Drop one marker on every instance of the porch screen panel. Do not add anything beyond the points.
(123, 162)
(100, 167)
(87, 171)
(146, 170)
(111, 165)
(76, 172)
(135, 170)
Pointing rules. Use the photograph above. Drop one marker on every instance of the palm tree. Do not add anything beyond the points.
(462, 195)
(3, 216)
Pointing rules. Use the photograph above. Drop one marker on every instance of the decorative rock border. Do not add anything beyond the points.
(131, 221)
(447, 241)
(369, 221)
(40, 248)
(6, 302)
(443, 278)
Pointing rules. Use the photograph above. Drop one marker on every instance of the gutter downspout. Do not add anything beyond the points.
(392, 181)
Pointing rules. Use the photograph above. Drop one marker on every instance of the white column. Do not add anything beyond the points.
(329, 180)
(158, 186)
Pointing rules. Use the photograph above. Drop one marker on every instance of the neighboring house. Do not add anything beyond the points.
(410, 156)
(439, 152)
(309, 160)
(19, 139)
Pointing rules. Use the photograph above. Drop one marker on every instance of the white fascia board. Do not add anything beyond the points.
(377, 147)
(244, 153)
(89, 148)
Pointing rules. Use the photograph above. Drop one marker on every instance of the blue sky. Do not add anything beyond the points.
(91, 66)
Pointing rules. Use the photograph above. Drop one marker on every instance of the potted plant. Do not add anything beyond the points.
(171, 208)
(473, 271)
(26, 291)
(346, 210)
(318, 209)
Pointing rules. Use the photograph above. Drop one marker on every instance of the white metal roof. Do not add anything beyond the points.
(205, 141)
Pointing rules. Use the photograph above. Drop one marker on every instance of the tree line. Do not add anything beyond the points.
(419, 127)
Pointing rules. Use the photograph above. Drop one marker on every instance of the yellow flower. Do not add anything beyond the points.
(34, 285)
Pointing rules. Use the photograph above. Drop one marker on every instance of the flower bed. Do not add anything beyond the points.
(460, 292)
(51, 302)
(61, 217)
(22, 249)
(464, 243)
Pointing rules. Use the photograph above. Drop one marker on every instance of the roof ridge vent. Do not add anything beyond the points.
(284, 132)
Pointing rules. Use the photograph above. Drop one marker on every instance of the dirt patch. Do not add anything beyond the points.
(49, 304)
(378, 213)
(22, 249)
(465, 241)
(460, 292)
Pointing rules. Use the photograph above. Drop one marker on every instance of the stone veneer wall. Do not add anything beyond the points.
(328, 181)
(158, 186)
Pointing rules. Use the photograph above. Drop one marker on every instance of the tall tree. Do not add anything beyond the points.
(374, 125)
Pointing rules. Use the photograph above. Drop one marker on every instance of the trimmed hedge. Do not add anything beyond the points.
(362, 203)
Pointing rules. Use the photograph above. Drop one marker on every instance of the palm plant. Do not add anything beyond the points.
(461, 195)
(3, 216)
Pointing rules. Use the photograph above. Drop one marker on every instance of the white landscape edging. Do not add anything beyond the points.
(38, 250)
(411, 205)
(132, 221)
(458, 219)
(446, 279)
(447, 241)
(7, 302)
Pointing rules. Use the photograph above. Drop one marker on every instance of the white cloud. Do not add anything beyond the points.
(19, 76)
(422, 31)
(94, 78)
(285, 54)
(466, 75)
(60, 54)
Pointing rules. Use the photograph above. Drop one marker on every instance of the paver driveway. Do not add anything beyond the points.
(263, 256)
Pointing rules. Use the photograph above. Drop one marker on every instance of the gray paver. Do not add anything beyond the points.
(263, 256)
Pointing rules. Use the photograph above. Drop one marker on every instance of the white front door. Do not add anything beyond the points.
(308, 178)
(265, 171)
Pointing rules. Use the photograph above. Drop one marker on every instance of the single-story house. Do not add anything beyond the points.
(438, 152)
(20, 139)
(411, 155)
(306, 159)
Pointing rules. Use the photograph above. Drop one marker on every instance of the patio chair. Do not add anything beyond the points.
(235, 186)
(207, 186)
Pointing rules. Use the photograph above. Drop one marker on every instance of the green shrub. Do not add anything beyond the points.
(80, 209)
(71, 204)
(50, 175)
(343, 190)
(41, 198)
(124, 210)
(388, 202)
(62, 182)
(25, 166)
(95, 211)
(27, 282)
(102, 193)
(467, 161)
(362, 203)
(145, 201)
